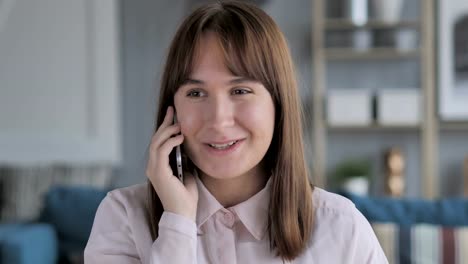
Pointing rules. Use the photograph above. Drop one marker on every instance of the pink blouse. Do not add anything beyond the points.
(121, 232)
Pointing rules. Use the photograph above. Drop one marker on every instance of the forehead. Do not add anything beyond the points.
(218, 57)
(208, 54)
(210, 63)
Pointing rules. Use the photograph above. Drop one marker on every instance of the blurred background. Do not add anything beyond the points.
(384, 85)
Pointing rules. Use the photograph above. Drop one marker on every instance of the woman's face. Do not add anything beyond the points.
(227, 120)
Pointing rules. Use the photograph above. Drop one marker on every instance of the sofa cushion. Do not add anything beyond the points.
(71, 210)
(409, 211)
(423, 243)
(28, 243)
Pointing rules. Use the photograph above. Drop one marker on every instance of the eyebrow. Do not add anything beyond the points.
(233, 81)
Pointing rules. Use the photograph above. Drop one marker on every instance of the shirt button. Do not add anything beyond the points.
(229, 219)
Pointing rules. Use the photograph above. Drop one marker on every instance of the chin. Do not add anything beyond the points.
(222, 171)
(221, 174)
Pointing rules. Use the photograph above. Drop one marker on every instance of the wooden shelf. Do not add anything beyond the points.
(428, 130)
(443, 126)
(374, 128)
(453, 126)
(346, 24)
(371, 54)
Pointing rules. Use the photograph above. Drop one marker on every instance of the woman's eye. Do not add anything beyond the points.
(240, 91)
(194, 93)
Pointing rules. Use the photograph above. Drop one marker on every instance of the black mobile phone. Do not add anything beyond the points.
(175, 159)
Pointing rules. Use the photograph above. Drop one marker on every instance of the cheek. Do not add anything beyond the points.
(189, 124)
(259, 117)
(185, 114)
(189, 119)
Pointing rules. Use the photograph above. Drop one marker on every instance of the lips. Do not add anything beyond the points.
(223, 142)
(224, 147)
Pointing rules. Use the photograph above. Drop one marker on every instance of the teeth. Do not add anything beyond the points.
(223, 146)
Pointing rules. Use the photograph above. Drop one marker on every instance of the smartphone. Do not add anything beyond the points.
(175, 159)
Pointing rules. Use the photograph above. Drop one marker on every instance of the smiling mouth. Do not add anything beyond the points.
(223, 146)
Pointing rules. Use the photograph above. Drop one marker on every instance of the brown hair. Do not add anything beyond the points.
(255, 48)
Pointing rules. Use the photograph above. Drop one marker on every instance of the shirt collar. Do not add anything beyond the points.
(253, 213)
(207, 203)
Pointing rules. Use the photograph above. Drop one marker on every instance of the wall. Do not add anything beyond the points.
(147, 28)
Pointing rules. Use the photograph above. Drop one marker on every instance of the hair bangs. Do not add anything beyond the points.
(241, 44)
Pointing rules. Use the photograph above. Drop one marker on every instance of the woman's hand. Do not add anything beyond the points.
(175, 197)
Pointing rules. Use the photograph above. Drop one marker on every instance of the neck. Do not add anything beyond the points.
(230, 192)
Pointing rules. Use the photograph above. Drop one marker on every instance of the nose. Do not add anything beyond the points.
(220, 113)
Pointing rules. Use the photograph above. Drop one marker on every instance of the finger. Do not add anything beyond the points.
(167, 147)
(163, 135)
(168, 119)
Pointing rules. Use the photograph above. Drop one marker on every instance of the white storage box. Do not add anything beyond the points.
(399, 107)
(349, 107)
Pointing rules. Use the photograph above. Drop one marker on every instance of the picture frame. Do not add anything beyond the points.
(452, 57)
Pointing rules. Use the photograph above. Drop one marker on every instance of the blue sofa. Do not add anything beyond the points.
(28, 243)
(59, 234)
(418, 230)
(409, 211)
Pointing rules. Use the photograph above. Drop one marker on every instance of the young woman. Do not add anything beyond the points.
(230, 81)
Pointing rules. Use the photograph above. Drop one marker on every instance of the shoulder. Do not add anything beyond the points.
(333, 211)
(338, 223)
(121, 209)
(331, 203)
(122, 204)
(131, 196)
(120, 225)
